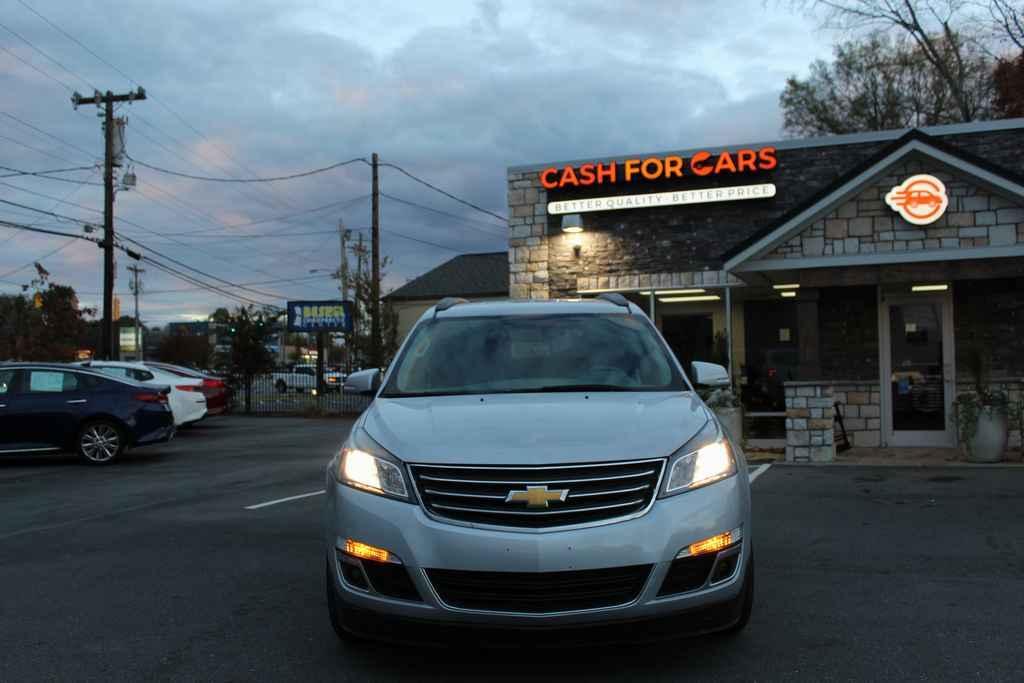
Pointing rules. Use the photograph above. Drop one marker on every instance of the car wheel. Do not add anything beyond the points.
(334, 609)
(747, 598)
(101, 442)
(280, 386)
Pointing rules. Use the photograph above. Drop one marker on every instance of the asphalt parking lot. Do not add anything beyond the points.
(154, 569)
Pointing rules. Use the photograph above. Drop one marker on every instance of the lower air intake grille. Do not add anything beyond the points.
(538, 497)
(538, 592)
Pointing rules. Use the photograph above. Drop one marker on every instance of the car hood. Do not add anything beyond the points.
(528, 429)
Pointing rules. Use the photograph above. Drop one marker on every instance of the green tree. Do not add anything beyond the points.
(879, 82)
(248, 329)
(44, 323)
(359, 343)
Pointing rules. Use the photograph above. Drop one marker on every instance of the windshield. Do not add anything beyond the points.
(521, 354)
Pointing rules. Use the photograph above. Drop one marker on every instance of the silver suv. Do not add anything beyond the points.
(536, 465)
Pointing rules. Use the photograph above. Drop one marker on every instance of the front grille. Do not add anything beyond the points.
(539, 592)
(593, 492)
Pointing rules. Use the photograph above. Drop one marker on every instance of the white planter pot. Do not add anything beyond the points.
(732, 422)
(989, 442)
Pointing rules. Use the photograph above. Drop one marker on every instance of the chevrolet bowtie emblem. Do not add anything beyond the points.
(536, 496)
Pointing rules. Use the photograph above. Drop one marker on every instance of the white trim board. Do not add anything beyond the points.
(882, 258)
(792, 227)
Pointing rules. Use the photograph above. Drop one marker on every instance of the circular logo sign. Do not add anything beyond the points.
(920, 199)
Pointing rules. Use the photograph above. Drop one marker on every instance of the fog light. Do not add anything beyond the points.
(368, 552)
(713, 544)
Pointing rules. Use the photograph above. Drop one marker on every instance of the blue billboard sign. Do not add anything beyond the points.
(320, 316)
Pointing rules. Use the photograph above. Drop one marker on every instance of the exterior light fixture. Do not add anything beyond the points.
(790, 286)
(788, 295)
(688, 299)
(670, 292)
(572, 222)
(929, 288)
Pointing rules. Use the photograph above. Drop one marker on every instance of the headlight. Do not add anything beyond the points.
(705, 459)
(364, 465)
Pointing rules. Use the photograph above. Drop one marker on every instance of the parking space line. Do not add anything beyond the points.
(759, 471)
(268, 503)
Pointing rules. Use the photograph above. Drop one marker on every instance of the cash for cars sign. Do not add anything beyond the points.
(319, 316)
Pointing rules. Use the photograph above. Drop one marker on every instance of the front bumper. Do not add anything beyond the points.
(422, 542)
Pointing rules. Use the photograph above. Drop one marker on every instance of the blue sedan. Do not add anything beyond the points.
(49, 407)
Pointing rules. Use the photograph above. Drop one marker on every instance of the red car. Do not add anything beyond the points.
(215, 389)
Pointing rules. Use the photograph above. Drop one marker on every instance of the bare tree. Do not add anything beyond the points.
(1007, 21)
(931, 25)
(880, 83)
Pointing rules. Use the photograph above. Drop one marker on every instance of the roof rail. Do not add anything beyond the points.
(447, 302)
(615, 298)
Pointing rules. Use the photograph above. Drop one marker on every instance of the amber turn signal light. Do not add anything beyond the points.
(713, 544)
(368, 552)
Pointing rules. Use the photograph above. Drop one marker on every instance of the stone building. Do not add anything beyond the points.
(861, 270)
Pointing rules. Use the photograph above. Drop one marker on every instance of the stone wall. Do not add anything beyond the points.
(860, 404)
(527, 237)
(809, 422)
(866, 225)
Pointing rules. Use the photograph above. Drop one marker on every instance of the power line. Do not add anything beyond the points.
(37, 69)
(59, 139)
(40, 51)
(283, 218)
(40, 258)
(200, 272)
(91, 85)
(44, 231)
(18, 172)
(202, 285)
(444, 213)
(292, 176)
(435, 188)
(36, 150)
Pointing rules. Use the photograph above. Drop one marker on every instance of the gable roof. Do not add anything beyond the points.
(466, 275)
(819, 204)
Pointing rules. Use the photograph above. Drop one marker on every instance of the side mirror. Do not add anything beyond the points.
(709, 374)
(365, 382)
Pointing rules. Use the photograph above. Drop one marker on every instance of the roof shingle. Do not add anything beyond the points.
(466, 275)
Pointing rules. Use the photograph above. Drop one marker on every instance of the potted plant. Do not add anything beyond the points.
(726, 405)
(982, 415)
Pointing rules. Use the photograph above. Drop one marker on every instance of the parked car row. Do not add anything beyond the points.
(301, 378)
(101, 408)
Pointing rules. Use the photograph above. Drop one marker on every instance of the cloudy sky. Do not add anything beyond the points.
(454, 92)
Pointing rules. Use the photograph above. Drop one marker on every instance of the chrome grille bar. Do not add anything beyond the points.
(538, 497)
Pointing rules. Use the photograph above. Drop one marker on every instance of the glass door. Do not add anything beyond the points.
(917, 360)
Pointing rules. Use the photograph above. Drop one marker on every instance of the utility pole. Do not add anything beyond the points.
(136, 289)
(108, 348)
(375, 340)
(343, 286)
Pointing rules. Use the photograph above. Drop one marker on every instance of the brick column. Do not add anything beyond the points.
(809, 422)
(527, 237)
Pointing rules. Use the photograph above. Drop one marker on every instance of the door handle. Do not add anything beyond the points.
(78, 400)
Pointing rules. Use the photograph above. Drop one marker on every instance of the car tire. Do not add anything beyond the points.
(746, 598)
(281, 386)
(101, 442)
(335, 610)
